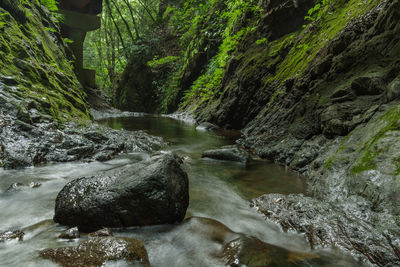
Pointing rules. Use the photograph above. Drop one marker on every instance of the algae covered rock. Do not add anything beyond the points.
(99, 250)
(154, 191)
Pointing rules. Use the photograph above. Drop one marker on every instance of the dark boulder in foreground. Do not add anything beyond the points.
(97, 251)
(151, 192)
(229, 153)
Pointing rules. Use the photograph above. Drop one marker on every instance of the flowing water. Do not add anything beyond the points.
(218, 190)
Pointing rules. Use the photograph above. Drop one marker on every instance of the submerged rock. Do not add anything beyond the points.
(154, 191)
(97, 251)
(15, 187)
(250, 251)
(237, 249)
(229, 153)
(11, 234)
(71, 233)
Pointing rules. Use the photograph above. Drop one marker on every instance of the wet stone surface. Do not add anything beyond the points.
(12, 234)
(349, 225)
(154, 191)
(26, 144)
(99, 250)
(71, 233)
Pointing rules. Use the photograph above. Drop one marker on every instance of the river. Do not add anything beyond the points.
(218, 190)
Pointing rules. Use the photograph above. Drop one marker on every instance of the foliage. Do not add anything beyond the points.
(126, 26)
(50, 4)
(234, 31)
(158, 62)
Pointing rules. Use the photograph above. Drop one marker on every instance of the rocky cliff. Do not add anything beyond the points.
(314, 86)
(44, 114)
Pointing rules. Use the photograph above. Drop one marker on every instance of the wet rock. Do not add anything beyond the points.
(154, 191)
(238, 249)
(34, 184)
(393, 90)
(348, 225)
(101, 233)
(96, 137)
(250, 251)
(206, 126)
(367, 86)
(229, 153)
(99, 250)
(11, 234)
(14, 187)
(71, 233)
(103, 155)
(27, 145)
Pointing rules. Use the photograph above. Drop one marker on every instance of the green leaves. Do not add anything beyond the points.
(50, 4)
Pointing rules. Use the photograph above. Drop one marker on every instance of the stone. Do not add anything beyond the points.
(12, 234)
(393, 90)
(367, 86)
(14, 187)
(26, 145)
(101, 233)
(343, 224)
(99, 250)
(150, 192)
(71, 233)
(228, 153)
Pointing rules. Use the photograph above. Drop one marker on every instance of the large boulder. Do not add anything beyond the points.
(151, 192)
(99, 250)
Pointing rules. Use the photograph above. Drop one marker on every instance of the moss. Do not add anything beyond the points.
(40, 67)
(388, 122)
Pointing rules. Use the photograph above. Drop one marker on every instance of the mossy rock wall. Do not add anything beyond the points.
(36, 66)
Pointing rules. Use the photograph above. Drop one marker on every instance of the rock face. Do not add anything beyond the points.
(99, 250)
(349, 225)
(151, 192)
(40, 96)
(331, 112)
(229, 153)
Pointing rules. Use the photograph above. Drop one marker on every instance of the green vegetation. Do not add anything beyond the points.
(50, 4)
(159, 62)
(44, 76)
(387, 123)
